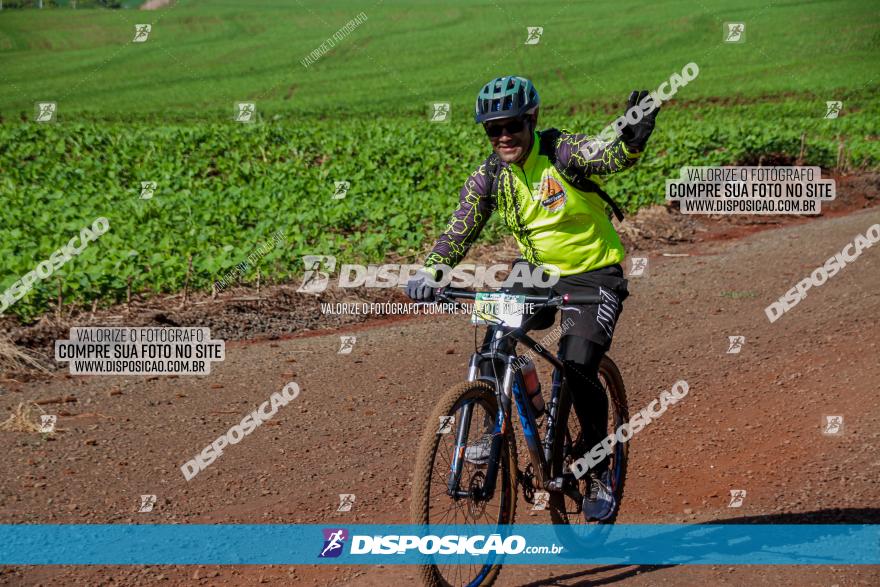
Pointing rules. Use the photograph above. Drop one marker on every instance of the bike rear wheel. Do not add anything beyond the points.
(432, 505)
(565, 507)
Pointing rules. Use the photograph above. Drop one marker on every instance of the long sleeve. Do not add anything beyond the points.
(582, 156)
(475, 206)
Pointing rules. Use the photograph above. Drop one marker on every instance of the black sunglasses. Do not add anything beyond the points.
(512, 127)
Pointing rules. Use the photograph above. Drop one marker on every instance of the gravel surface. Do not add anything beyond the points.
(751, 421)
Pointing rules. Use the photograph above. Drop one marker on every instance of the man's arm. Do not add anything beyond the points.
(582, 156)
(475, 206)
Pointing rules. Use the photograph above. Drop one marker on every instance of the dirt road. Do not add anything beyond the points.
(751, 421)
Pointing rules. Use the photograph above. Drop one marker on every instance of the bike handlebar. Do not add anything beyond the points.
(451, 292)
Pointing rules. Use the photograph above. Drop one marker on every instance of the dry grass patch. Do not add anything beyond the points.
(24, 418)
(15, 358)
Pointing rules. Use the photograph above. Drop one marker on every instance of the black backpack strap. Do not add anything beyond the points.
(493, 164)
(547, 147)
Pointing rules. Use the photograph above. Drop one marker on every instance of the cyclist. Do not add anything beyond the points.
(544, 186)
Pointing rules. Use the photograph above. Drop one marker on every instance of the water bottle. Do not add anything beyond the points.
(533, 386)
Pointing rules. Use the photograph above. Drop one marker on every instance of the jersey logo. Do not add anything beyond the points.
(553, 196)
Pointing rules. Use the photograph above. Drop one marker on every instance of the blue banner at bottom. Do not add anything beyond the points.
(223, 544)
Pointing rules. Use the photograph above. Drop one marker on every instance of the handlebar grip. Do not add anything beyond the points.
(452, 293)
(582, 299)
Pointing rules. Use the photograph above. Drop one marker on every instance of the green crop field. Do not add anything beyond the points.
(162, 111)
(203, 55)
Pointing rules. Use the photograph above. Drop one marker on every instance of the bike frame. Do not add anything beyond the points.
(499, 351)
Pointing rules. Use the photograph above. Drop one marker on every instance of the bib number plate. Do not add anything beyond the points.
(495, 308)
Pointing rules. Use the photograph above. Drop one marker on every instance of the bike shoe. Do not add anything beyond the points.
(477, 453)
(599, 503)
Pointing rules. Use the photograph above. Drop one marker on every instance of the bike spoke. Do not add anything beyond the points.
(443, 509)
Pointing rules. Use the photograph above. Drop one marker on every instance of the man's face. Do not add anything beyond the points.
(512, 137)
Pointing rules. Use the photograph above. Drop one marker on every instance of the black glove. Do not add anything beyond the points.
(418, 289)
(635, 136)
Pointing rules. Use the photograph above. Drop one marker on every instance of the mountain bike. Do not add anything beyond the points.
(450, 489)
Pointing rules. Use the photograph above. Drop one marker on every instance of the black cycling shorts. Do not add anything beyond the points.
(591, 322)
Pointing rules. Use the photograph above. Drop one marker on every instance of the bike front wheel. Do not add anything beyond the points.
(473, 406)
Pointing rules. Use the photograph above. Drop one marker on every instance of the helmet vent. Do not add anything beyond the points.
(506, 96)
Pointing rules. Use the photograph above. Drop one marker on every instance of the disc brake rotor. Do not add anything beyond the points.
(476, 507)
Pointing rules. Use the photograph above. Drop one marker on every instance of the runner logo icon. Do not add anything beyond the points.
(314, 280)
(47, 423)
(737, 496)
(534, 35)
(334, 540)
(833, 425)
(735, 344)
(833, 108)
(638, 266)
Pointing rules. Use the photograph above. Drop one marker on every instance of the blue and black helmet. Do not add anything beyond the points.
(506, 97)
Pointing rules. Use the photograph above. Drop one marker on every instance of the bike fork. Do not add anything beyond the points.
(455, 473)
(499, 429)
(464, 425)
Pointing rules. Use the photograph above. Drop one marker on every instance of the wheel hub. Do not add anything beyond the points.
(476, 505)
